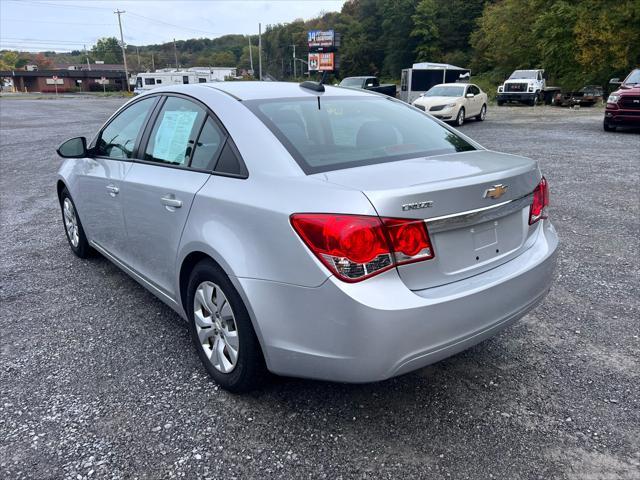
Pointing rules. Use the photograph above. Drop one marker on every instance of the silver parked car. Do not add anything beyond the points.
(308, 231)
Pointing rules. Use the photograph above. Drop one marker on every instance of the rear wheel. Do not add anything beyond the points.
(500, 103)
(483, 113)
(73, 227)
(608, 127)
(221, 330)
(460, 117)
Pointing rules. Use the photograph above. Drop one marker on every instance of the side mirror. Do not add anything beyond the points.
(73, 148)
(615, 81)
(470, 95)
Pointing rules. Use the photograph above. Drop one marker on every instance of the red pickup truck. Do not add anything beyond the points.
(623, 105)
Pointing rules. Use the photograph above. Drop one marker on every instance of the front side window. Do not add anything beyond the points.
(118, 139)
(344, 132)
(175, 131)
(149, 81)
(185, 79)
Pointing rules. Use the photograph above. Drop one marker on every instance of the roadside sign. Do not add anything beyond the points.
(320, 38)
(55, 83)
(55, 77)
(321, 62)
(103, 80)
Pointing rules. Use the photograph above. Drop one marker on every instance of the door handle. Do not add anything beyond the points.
(113, 190)
(171, 201)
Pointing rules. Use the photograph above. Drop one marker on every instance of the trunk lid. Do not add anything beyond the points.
(470, 231)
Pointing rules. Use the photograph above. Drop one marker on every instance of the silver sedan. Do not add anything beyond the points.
(310, 231)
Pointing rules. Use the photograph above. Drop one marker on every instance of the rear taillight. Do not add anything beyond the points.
(355, 247)
(540, 203)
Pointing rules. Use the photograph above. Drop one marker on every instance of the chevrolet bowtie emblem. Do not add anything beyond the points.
(495, 191)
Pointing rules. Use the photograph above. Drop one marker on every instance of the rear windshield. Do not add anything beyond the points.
(325, 134)
(351, 82)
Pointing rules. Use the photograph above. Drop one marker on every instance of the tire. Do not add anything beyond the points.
(500, 103)
(483, 113)
(460, 117)
(220, 325)
(73, 226)
(608, 128)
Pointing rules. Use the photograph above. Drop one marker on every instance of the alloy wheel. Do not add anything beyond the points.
(71, 222)
(216, 326)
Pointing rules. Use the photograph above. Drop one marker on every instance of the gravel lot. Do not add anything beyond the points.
(98, 379)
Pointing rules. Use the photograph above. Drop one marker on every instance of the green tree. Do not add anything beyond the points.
(108, 50)
(426, 31)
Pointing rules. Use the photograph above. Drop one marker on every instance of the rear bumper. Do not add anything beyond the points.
(622, 117)
(516, 96)
(377, 329)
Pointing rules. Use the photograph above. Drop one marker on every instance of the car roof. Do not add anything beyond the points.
(452, 84)
(270, 90)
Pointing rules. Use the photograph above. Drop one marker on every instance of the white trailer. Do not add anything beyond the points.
(422, 76)
(150, 80)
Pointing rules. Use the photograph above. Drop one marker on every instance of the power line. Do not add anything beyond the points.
(55, 22)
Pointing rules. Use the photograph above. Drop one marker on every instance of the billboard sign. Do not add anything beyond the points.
(320, 62)
(320, 38)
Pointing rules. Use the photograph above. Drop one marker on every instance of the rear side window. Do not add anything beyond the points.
(229, 162)
(175, 131)
(208, 146)
(118, 139)
(327, 133)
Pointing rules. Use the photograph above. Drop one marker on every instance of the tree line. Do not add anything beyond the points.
(576, 42)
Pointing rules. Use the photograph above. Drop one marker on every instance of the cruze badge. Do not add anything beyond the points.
(495, 191)
(417, 205)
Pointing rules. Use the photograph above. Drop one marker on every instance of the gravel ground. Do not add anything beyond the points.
(99, 380)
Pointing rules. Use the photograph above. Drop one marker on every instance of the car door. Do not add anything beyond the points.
(99, 179)
(180, 148)
(476, 102)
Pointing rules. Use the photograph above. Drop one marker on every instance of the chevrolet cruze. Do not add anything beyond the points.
(310, 231)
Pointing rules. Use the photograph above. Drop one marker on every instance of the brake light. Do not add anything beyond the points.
(355, 247)
(540, 203)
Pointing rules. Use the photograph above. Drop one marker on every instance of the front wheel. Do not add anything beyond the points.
(483, 113)
(221, 330)
(460, 117)
(73, 227)
(608, 128)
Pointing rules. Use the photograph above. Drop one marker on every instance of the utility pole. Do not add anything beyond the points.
(251, 55)
(124, 52)
(260, 51)
(87, 57)
(138, 54)
(294, 61)
(175, 52)
(153, 63)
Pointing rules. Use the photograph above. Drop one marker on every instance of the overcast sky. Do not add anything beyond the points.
(64, 25)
